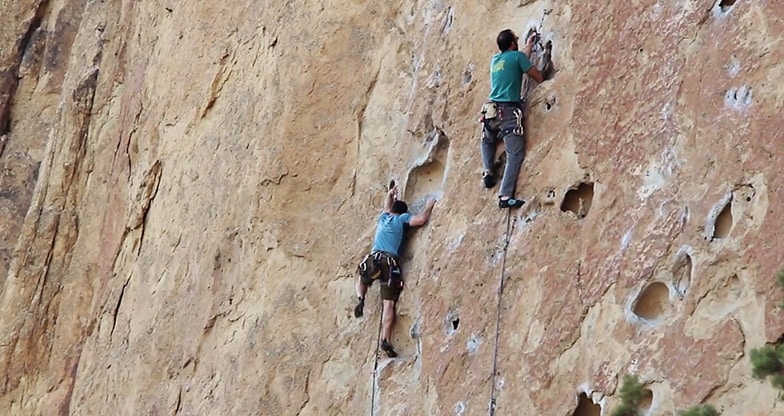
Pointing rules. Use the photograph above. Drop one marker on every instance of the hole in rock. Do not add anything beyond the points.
(423, 183)
(726, 5)
(427, 179)
(586, 407)
(647, 400)
(468, 74)
(579, 200)
(652, 302)
(723, 222)
(548, 106)
(451, 322)
(682, 273)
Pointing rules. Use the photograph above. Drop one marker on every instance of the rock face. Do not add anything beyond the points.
(187, 188)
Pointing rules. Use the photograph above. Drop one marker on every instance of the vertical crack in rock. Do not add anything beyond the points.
(139, 207)
(178, 405)
(52, 232)
(9, 81)
(31, 333)
(117, 306)
(130, 140)
(73, 368)
(54, 238)
(307, 394)
(3, 140)
(83, 99)
(361, 124)
(221, 76)
(723, 387)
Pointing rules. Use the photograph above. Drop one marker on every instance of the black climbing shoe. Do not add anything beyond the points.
(488, 179)
(387, 347)
(358, 309)
(510, 203)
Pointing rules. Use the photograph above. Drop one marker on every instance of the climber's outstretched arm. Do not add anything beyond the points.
(390, 199)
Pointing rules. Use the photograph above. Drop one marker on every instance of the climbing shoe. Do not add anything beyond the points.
(488, 179)
(358, 309)
(387, 347)
(510, 203)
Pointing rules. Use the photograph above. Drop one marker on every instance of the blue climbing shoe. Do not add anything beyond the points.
(510, 203)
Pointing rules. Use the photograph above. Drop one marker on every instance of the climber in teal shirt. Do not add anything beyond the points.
(503, 115)
(506, 75)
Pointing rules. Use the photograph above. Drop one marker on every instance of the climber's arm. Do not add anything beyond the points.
(424, 216)
(390, 199)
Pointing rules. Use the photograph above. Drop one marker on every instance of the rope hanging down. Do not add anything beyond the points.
(491, 406)
(491, 409)
(378, 339)
(375, 364)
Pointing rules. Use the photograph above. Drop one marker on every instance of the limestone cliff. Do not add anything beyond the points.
(187, 187)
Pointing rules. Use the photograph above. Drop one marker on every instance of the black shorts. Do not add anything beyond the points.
(387, 292)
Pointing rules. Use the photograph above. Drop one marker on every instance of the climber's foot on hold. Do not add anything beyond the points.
(510, 203)
(358, 309)
(488, 179)
(388, 348)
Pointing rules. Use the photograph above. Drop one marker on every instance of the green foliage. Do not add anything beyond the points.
(631, 394)
(780, 278)
(624, 409)
(768, 361)
(701, 410)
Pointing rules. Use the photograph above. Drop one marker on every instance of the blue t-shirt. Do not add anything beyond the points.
(389, 232)
(506, 75)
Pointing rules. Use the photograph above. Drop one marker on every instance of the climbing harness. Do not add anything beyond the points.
(491, 405)
(518, 129)
(371, 266)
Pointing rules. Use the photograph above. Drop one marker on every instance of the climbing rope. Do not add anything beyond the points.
(378, 336)
(375, 364)
(491, 406)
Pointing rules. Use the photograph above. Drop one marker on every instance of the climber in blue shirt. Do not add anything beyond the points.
(382, 262)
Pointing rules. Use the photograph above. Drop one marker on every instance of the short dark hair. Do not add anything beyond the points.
(399, 207)
(505, 39)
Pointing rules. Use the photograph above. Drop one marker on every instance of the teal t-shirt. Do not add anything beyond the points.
(389, 232)
(506, 75)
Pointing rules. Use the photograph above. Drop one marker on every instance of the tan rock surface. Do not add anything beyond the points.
(187, 187)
